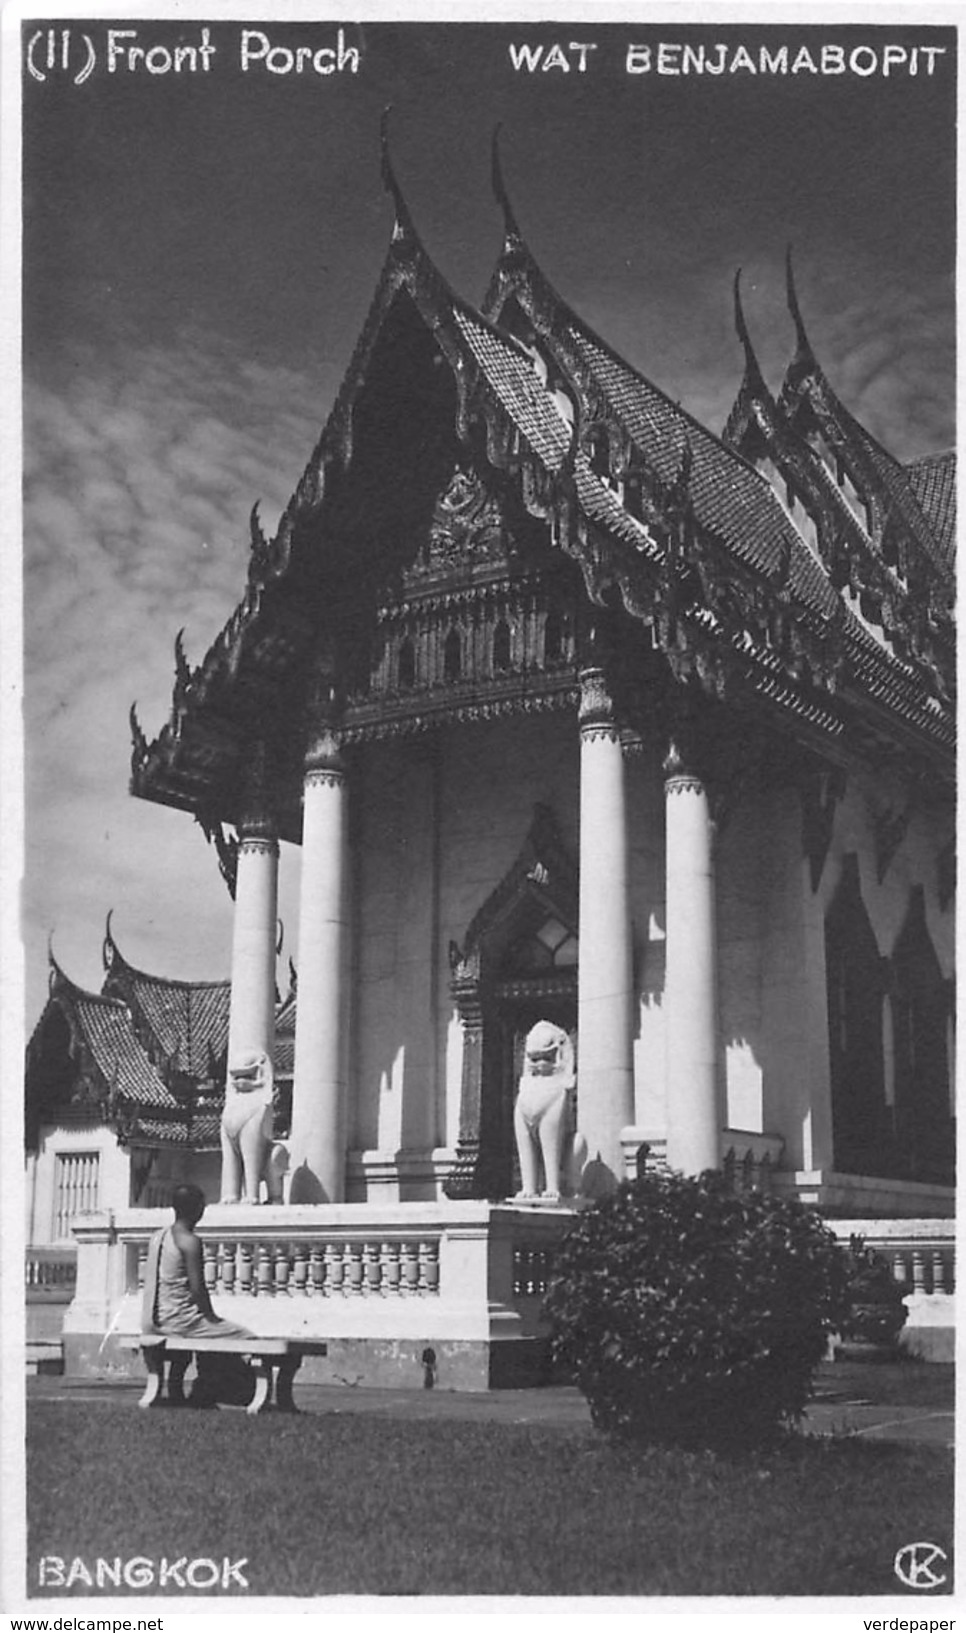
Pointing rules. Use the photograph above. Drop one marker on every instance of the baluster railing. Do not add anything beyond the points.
(373, 1267)
(410, 1255)
(354, 1267)
(334, 1267)
(429, 1266)
(263, 1271)
(229, 1255)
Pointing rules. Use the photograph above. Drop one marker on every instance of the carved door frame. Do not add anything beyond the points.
(541, 883)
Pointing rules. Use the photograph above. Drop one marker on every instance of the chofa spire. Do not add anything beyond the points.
(753, 374)
(404, 222)
(512, 233)
(805, 352)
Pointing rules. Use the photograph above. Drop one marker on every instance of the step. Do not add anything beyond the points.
(44, 1356)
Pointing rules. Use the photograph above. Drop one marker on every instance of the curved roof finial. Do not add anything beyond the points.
(55, 972)
(404, 221)
(500, 193)
(752, 369)
(109, 947)
(804, 345)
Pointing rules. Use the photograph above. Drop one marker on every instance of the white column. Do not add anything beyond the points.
(690, 993)
(318, 1144)
(605, 1041)
(252, 1018)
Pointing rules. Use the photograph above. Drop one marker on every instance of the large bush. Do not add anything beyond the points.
(689, 1314)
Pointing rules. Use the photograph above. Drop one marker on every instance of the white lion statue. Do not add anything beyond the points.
(247, 1129)
(544, 1114)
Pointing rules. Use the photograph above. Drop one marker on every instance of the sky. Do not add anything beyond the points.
(199, 252)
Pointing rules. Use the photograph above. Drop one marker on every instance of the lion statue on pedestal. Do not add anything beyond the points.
(544, 1120)
(247, 1125)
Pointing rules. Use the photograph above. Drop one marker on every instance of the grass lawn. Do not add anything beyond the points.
(364, 1504)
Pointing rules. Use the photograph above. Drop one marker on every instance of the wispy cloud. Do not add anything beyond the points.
(140, 472)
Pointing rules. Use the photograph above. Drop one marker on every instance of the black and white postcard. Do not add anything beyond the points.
(479, 707)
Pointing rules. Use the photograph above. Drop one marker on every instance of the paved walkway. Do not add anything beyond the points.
(556, 1407)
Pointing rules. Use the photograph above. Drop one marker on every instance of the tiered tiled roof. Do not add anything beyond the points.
(684, 528)
(182, 1025)
(933, 481)
(888, 560)
(726, 495)
(97, 1055)
(807, 398)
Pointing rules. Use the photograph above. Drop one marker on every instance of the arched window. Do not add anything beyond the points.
(924, 1127)
(407, 665)
(453, 656)
(501, 646)
(862, 1135)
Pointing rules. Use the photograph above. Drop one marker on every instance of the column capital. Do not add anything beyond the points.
(680, 772)
(257, 841)
(256, 820)
(323, 718)
(324, 763)
(595, 714)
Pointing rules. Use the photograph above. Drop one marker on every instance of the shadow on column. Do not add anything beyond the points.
(306, 1186)
(597, 1179)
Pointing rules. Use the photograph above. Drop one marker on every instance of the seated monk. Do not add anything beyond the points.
(177, 1304)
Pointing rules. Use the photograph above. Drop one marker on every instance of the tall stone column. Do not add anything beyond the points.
(605, 980)
(252, 1015)
(318, 1144)
(690, 993)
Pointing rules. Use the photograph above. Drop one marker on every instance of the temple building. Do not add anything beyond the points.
(125, 1089)
(569, 710)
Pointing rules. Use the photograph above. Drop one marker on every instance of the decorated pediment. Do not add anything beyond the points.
(467, 530)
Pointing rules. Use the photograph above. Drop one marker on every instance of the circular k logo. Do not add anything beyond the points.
(919, 1564)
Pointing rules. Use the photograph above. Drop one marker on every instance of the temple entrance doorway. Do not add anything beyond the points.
(517, 1006)
(517, 966)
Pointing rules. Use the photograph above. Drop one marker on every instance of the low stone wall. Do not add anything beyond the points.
(415, 1295)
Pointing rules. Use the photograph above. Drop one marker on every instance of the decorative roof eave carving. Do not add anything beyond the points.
(846, 550)
(410, 717)
(805, 383)
(720, 575)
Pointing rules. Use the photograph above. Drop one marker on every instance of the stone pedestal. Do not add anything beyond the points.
(690, 994)
(318, 1143)
(605, 1064)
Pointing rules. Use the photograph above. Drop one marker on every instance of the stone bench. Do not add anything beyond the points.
(273, 1361)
